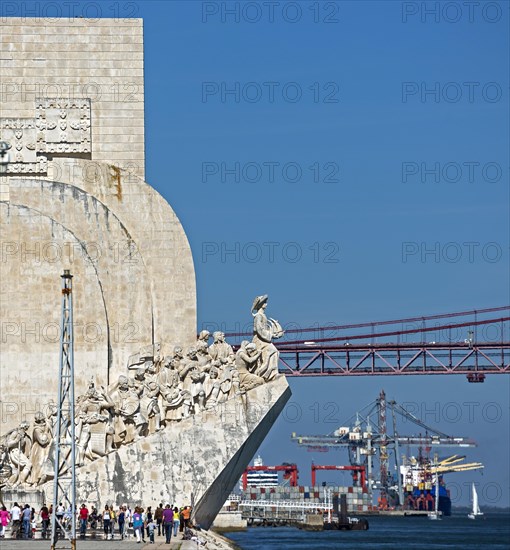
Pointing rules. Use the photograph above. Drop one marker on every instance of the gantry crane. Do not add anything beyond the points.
(363, 443)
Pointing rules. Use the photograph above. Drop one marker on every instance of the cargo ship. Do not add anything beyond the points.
(419, 488)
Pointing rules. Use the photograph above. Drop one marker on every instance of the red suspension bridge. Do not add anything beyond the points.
(474, 343)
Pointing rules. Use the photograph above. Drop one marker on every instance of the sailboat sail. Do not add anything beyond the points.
(476, 507)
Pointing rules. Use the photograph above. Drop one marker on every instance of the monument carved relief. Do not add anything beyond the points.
(60, 126)
(155, 393)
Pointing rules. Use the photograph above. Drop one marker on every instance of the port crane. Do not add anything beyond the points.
(364, 440)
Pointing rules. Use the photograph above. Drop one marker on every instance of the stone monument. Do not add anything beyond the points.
(161, 415)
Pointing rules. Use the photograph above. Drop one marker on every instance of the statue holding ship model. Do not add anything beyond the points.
(264, 332)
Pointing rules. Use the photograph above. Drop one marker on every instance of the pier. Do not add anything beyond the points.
(278, 512)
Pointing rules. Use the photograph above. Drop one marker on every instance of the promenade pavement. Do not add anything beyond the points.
(8, 544)
(213, 541)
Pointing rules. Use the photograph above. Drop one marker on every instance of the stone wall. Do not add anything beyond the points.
(75, 58)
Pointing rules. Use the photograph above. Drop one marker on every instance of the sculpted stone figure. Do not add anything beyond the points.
(203, 357)
(197, 388)
(264, 332)
(153, 410)
(168, 377)
(157, 363)
(151, 369)
(41, 442)
(5, 467)
(147, 389)
(186, 366)
(204, 336)
(95, 426)
(246, 361)
(212, 387)
(129, 420)
(177, 404)
(229, 378)
(177, 401)
(18, 445)
(220, 349)
(178, 356)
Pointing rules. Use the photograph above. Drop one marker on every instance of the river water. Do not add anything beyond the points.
(405, 533)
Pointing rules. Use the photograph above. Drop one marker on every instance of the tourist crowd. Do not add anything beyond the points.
(114, 522)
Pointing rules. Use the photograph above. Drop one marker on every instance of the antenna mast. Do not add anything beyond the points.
(64, 485)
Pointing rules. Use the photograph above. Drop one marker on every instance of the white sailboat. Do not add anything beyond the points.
(436, 514)
(476, 508)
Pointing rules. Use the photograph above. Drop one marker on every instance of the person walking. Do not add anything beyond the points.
(148, 519)
(106, 522)
(93, 518)
(186, 514)
(4, 520)
(158, 516)
(144, 523)
(176, 518)
(168, 519)
(121, 518)
(60, 512)
(181, 526)
(151, 527)
(26, 519)
(44, 513)
(113, 521)
(137, 523)
(84, 516)
(16, 521)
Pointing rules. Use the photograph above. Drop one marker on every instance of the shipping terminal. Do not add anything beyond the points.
(392, 474)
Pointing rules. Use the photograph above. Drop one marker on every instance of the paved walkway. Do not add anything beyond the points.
(214, 542)
(176, 544)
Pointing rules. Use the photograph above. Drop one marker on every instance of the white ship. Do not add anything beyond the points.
(261, 478)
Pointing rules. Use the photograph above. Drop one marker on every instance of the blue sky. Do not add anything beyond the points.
(399, 141)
